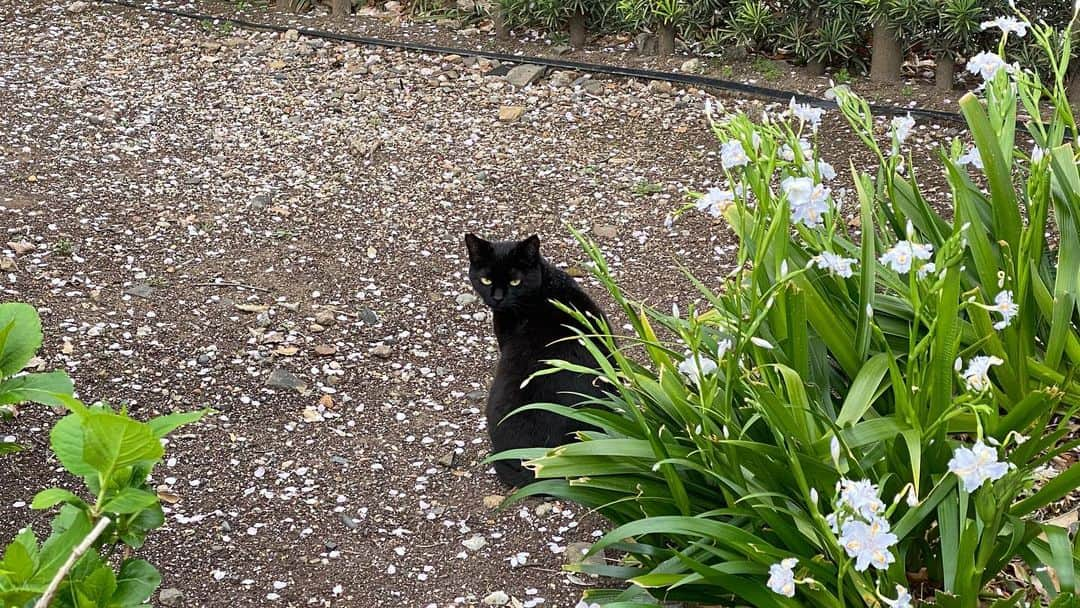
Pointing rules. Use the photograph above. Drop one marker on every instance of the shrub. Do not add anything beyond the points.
(114, 455)
(855, 417)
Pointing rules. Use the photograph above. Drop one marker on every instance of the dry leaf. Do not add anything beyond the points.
(166, 495)
(312, 414)
(326, 401)
(286, 351)
(325, 350)
(252, 307)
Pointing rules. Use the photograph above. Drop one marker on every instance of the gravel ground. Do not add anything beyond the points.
(272, 227)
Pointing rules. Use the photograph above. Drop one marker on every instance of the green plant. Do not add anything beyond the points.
(63, 247)
(727, 72)
(751, 24)
(842, 76)
(114, 455)
(663, 15)
(647, 188)
(766, 67)
(907, 91)
(20, 339)
(850, 414)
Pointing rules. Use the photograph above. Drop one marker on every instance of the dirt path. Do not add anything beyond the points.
(326, 189)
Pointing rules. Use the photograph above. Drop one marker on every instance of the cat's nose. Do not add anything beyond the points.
(497, 295)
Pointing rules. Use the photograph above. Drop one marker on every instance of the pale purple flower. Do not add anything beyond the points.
(869, 543)
(808, 201)
(861, 497)
(834, 263)
(901, 256)
(926, 269)
(903, 598)
(733, 155)
(715, 201)
(987, 65)
(825, 170)
(974, 466)
(1008, 25)
(1037, 155)
(806, 113)
(1003, 304)
(971, 157)
(788, 154)
(977, 374)
(782, 577)
(902, 126)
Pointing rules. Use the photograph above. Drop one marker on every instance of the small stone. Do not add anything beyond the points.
(510, 113)
(605, 231)
(561, 49)
(465, 299)
(562, 79)
(474, 543)
(325, 317)
(382, 351)
(660, 86)
(594, 87)
(77, 7)
(448, 460)
(292, 35)
(325, 350)
(315, 328)
(476, 396)
(369, 317)
(492, 501)
(496, 598)
(523, 75)
(282, 378)
(349, 522)
(575, 554)
(340, 460)
(21, 247)
(170, 596)
(140, 290)
(691, 66)
(259, 202)
(204, 359)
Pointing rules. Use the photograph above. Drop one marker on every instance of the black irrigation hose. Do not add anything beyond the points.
(673, 77)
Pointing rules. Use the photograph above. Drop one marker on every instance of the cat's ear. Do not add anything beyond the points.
(528, 251)
(479, 249)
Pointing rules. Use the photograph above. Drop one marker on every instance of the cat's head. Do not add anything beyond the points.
(506, 274)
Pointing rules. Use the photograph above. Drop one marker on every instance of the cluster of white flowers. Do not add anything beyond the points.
(858, 518)
(809, 201)
(584, 604)
(825, 170)
(806, 113)
(976, 465)
(788, 154)
(835, 264)
(901, 128)
(971, 157)
(696, 368)
(904, 253)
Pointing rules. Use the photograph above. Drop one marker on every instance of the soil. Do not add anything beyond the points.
(212, 208)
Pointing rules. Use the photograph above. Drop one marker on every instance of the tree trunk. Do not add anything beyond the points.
(815, 68)
(576, 24)
(666, 43)
(887, 55)
(945, 72)
(1072, 85)
(498, 18)
(341, 9)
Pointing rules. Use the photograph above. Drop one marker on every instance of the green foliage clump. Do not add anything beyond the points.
(854, 417)
(114, 455)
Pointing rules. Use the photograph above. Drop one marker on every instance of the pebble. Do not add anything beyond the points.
(466, 299)
(170, 596)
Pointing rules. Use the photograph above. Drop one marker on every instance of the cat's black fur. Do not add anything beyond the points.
(530, 329)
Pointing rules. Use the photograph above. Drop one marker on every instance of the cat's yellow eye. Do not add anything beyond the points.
(515, 282)
(485, 280)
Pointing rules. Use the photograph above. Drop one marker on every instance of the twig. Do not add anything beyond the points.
(50, 591)
(244, 285)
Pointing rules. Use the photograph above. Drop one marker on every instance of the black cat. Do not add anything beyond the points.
(519, 285)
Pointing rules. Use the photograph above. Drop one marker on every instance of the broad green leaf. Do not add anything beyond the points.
(46, 389)
(129, 500)
(46, 499)
(134, 534)
(20, 336)
(67, 443)
(1062, 556)
(163, 425)
(8, 447)
(864, 390)
(113, 441)
(137, 582)
(69, 528)
(1054, 490)
(18, 563)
